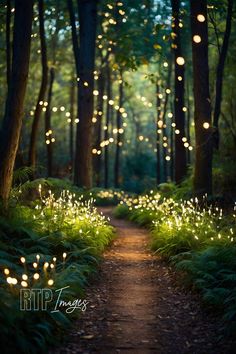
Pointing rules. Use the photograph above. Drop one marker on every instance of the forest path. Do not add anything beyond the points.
(136, 307)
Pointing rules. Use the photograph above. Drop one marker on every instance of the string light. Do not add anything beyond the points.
(206, 125)
(197, 38)
(180, 61)
(201, 18)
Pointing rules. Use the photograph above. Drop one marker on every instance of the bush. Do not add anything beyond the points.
(213, 273)
(198, 239)
(60, 240)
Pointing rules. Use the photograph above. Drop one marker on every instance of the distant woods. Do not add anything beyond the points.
(119, 94)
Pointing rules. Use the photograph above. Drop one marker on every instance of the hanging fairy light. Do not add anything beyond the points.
(180, 61)
(197, 39)
(201, 18)
(206, 125)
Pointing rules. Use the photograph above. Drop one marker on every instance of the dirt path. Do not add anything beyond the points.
(135, 306)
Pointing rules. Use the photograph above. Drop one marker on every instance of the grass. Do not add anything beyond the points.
(55, 242)
(197, 239)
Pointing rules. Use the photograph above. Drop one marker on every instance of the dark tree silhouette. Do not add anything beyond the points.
(48, 123)
(202, 106)
(158, 142)
(180, 152)
(83, 154)
(72, 118)
(43, 87)
(12, 122)
(118, 140)
(108, 119)
(98, 128)
(8, 41)
(220, 74)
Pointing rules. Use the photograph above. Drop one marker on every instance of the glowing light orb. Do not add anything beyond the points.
(180, 61)
(197, 39)
(206, 125)
(201, 18)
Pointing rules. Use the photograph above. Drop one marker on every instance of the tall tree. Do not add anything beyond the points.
(98, 128)
(43, 87)
(74, 34)
(72, 118)
(108, 119)
(202, 106)
(47, 118)
(163, 117)
(87, 35)
(220, 74)
(8, 41)
(48, 127)
(158, 135)
(180, 152)
(118, 140)
(12, 122)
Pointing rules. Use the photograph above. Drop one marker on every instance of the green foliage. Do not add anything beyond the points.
(121, 211)
(198, 239)
(61, 239)
(22, 175)
(224, 176)
(108, 196)
(213, 273)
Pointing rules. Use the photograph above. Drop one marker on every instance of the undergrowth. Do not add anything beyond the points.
(55, 242)
(197, 239)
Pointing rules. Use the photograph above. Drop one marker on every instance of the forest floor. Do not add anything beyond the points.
(136, 305)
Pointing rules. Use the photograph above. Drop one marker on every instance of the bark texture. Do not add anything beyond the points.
(12, 122)
(43, 88)
(180, 152)
(83, 153)
(202, 105)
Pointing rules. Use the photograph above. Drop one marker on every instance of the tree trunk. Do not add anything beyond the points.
(164, 130)
(8, 41)
(202, 107)
(220, 74)
(72, 118)
(98, 130)
(188, 125)
(158, 142)
(118, 141)
(43, 87)
(83, 156)
(180, 153)
(106, 132)
(12, 121)
(48, 126)
(74, 34)
(172, 153)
